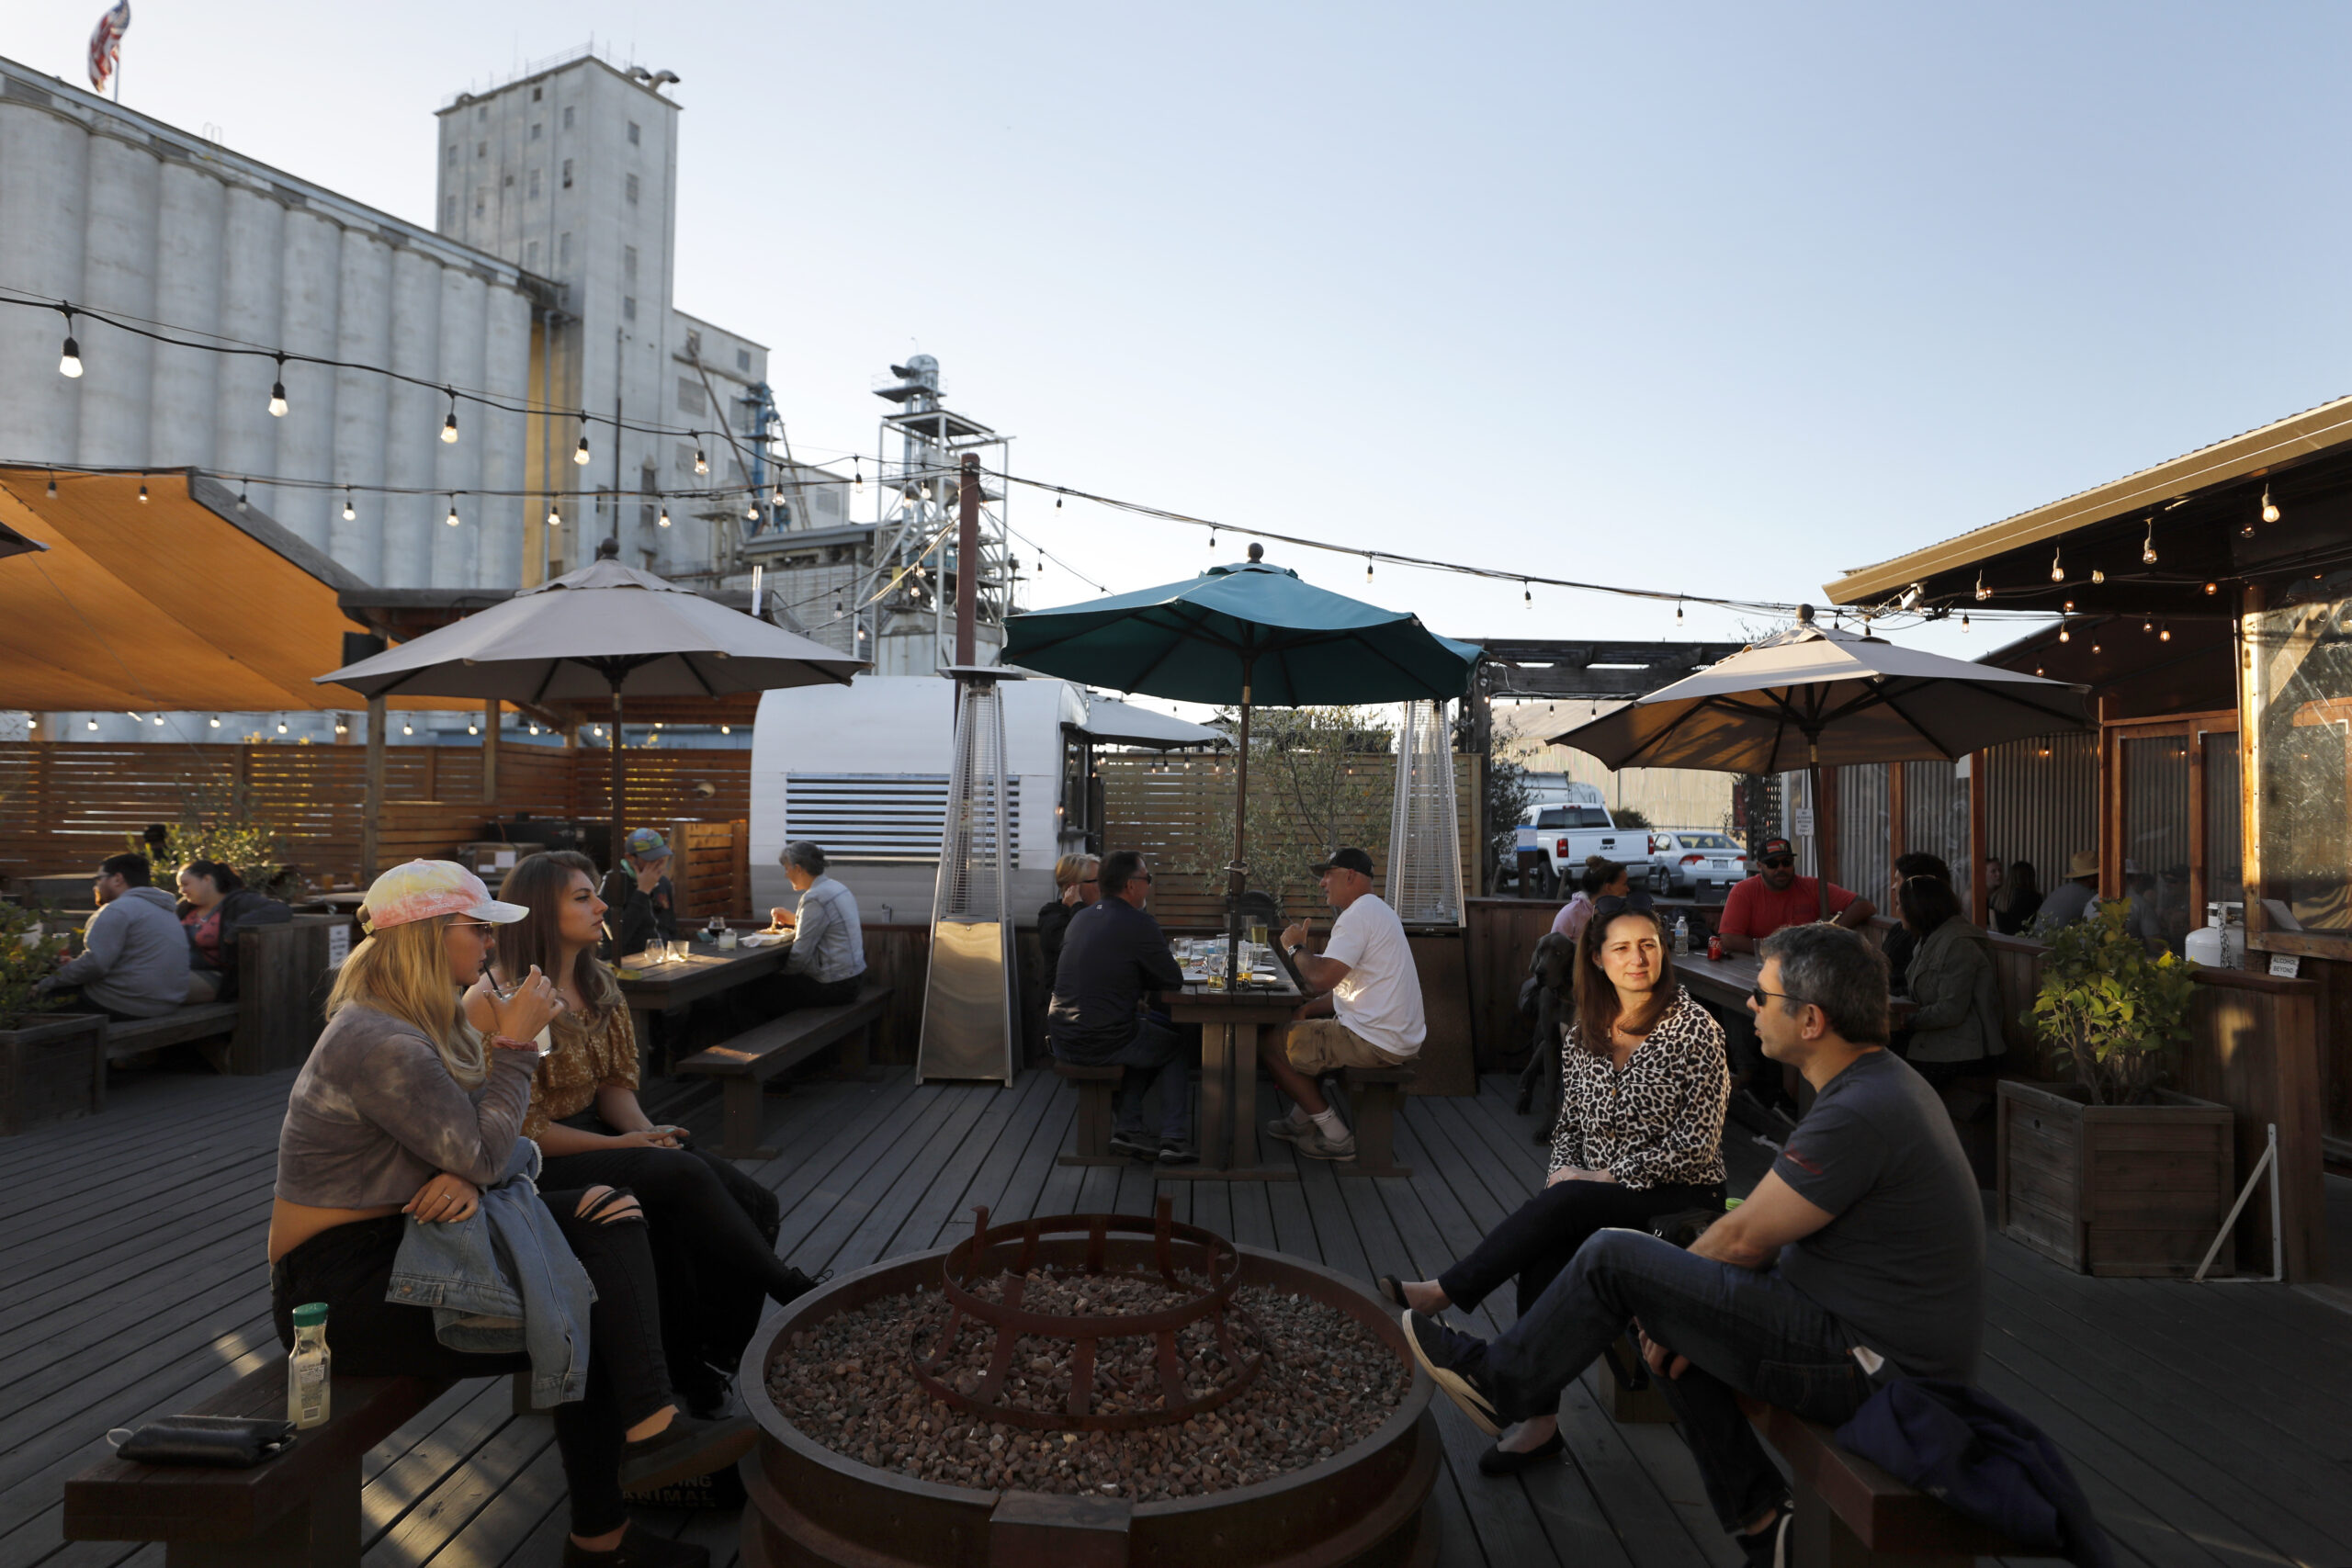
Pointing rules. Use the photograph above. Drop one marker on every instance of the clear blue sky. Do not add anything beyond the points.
(1712, 297)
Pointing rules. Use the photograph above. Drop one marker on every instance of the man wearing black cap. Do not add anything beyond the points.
(1368, 1014)
(1776, 897)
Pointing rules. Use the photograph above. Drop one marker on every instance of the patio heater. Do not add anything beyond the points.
(968, 1030)
(1424, 832)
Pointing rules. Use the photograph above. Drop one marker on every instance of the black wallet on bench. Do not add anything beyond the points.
(225, 1442)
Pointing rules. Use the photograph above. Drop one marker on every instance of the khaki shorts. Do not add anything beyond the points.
(1324, 1045)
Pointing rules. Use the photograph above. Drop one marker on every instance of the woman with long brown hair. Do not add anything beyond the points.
(713, 1228)
(402, 1114)
(1644, 1084)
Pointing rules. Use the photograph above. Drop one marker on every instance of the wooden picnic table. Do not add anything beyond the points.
(707, 970)
(1229, 1023)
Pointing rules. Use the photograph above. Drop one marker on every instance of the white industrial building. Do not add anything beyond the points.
(546, 281)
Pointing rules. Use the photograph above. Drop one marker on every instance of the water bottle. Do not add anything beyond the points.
(1681, 936)
(307, 1383)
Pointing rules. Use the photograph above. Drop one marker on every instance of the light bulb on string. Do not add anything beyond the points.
(926, 490)
(2164, 633)
(2146, 626)
(2245, 529)
(1058, 503)
(726, 730)
(2269, 509)
(2057, 572)
(216, 721)
(1983, 592)
(52, 486)
(664, 519)
(241, 503)
(554, 516)
(2064, 634)
(1212, 536)
(2212, 589)
(1677, 613)
(69, 363)
(776, 496)
(702, 462)
(281, 726)
(449, 425)
(350, 512)
(93, 723)
(1963, 621)
(2148, 545)
(2095, 648)
(277, 391)
(452, 519)
(142, 491)
(407, 729)
(580, 453)
(856, 474)
(2097, 576)
(1526, 594)
(752, 512)
(1367, 568)
(159, 721)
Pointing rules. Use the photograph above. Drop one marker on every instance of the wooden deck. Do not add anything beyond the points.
(2208, 1422)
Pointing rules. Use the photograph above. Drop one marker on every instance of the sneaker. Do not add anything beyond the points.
(1133, 1145)
(684, 1449)
(1175, 1151)
(639, 1548)
(1500, 1460)
(1316, 1143)
(1290, 1128)
(1456, 1363)
(1768, 1547)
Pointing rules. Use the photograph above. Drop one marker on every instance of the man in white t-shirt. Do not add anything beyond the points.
(1367, 1014)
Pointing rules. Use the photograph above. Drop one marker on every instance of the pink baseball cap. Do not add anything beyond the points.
(423, 888)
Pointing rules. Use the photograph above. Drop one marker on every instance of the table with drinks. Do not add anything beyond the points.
(1230, 1016)
(674, 972)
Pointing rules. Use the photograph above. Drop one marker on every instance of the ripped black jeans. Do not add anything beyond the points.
(349, 1269)
(1745, 1331)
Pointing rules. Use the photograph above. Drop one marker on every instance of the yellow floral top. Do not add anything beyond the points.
(590, 1054)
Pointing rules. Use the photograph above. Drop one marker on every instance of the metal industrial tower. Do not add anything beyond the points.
(904, 622)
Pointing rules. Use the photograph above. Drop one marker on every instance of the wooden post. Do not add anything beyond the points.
(371, 822)
(490, 752)
(1979, 802)
(1899, 836)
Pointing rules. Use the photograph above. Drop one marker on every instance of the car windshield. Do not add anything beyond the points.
(1704, 842)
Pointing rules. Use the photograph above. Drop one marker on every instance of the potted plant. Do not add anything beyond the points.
(52, 1063)
(221, 823)
(2113, 1173)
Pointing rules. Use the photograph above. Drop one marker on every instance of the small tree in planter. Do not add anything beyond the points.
(2112, 1173)
(52, 1063)
(2113, 1013)
(220, 824)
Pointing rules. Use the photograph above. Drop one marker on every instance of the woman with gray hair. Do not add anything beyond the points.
(828, 945)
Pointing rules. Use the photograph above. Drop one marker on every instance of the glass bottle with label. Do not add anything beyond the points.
(308, 1384)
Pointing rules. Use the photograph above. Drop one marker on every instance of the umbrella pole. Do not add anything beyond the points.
(1824, 834)
(619, 844)
(1236, 875)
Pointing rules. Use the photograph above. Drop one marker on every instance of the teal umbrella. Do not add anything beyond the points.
(1243, 634)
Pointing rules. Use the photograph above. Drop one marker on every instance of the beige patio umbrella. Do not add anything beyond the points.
(604, 629)
(1812, 696)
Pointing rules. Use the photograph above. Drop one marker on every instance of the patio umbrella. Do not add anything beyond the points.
(604, 628)
(1244, 634)
(1813, 695)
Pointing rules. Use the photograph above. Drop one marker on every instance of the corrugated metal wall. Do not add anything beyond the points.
(2224, 853)
(2041, 802)
(1862, 836)
(2156, 802)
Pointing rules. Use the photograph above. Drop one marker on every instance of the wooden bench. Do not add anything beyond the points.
(758, 1053)
(1852, 1514)
(181, 1026)
(301, 1509)
(1097, 1088)
(1374, 1094)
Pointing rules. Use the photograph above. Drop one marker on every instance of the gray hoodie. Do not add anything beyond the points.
(134, 958)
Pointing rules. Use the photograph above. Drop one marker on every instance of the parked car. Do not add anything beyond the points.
(1567, 835)
(1696, 861)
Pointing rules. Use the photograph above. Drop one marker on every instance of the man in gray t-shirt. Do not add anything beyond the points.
(1860, 1256)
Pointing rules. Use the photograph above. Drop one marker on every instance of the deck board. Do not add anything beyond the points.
(2206, 1423)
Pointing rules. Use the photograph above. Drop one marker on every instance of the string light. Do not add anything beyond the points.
(1526, 594)
(580, 453)
(752, 512)
(1058, 503)
(452, 518)
(1678, 613)
(2064, 634)
(2067, 608)
(92, 723)
(2245, 529)
(2097, 576)
(142, 492)
(350, 512)
(1367, 568)
(2148, 545)
(1983, 592)
(2269, 509)
(470, 730)
(277, 391)
(449, 425)
(856, 473)
(159, 721)
(555, 517)
(407, 729)
(2147, 626)
(1211, 536)
(215, 721)
(776, 498)
(241, 503)
(2212, 589)
(664, 519)
(52, 486)
(2057, 572)
(926, 490)
(2164, 633)
(69, 364)
(281, 726)
(2095, 648)
(702, 463)
(1963, 621)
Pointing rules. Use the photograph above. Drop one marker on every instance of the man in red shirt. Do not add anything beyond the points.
(1777, 896)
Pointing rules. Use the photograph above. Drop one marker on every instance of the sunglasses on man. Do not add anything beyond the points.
(1778, 863)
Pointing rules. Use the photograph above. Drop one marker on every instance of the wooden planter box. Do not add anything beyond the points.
(53, 1069)
(2121, 1190)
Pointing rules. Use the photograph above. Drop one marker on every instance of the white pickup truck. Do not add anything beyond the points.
(1568, 834)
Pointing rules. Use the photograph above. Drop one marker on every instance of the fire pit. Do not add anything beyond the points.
(1088, 1390)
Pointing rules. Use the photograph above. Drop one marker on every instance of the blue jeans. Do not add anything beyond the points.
(1745, 1331)
(1156, 1059)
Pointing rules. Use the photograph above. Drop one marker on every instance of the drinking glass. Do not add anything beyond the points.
(1213, 966)
(1258, 933)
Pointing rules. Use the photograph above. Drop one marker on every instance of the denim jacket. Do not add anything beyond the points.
(503, 1281)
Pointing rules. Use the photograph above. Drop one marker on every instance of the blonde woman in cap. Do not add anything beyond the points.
(401, 1114)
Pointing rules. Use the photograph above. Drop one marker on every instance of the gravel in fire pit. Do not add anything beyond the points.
(848, 1383)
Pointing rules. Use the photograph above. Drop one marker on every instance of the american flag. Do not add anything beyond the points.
(105, 44)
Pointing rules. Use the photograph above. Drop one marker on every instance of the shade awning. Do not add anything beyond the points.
(1124, 724)
(179, 603)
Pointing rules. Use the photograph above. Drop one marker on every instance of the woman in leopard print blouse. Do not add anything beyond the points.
(1640, 1135)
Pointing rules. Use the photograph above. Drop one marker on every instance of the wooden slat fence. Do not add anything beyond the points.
(1163, 807)
(711, 869)
(65, 805)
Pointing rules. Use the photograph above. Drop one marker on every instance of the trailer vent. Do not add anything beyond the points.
(877, 817)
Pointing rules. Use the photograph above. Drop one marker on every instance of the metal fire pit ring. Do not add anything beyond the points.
(810, 1507)
(1086, 1239)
